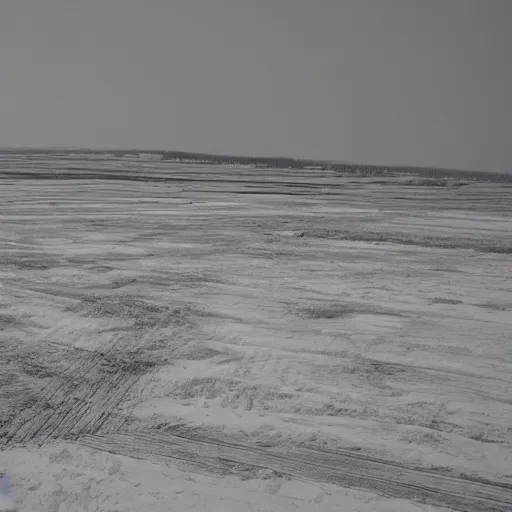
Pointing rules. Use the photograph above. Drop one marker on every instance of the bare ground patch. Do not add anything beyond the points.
(498, 247)
(331, 311)
(493, 306)
(444, 300)
(8, 321)
(143, 314)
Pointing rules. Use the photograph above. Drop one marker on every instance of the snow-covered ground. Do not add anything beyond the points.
(179, 336)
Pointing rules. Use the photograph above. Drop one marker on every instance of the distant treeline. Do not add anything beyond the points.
(342, 168)
(290, 163)
(275, 163)
(424, 172)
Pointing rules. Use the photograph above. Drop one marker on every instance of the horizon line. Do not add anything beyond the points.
(226, 155)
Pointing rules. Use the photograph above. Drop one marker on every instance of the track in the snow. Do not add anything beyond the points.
(82, 403)
(340, 468)
(82, 399)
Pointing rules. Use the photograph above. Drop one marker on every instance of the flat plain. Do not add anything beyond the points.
(177, 335)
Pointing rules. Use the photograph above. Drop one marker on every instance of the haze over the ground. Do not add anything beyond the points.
(391, 82)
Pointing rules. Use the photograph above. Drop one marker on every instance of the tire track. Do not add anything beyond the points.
(340, 468)
(80, 399)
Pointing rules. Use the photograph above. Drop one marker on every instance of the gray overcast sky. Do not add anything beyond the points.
(421, 82)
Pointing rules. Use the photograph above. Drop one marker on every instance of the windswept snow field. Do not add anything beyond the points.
(178, 336)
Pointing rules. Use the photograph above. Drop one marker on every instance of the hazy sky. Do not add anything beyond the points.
(421, 82)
